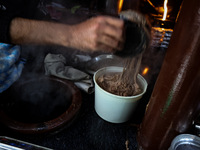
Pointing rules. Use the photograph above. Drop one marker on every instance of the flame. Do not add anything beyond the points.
(150, 3)
(145, 71)
(120, 4)
(165, 10)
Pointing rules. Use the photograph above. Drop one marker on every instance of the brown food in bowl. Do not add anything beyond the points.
(112, 83)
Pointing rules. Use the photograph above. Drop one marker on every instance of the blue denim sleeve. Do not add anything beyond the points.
(10, 65)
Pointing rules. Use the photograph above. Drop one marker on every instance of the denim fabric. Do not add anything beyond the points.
(10, 65)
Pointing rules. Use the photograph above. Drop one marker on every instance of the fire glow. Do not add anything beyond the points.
(120, 4)
(165, 10)
(145, 71)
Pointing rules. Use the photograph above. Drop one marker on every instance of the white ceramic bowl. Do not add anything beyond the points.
(114, 108)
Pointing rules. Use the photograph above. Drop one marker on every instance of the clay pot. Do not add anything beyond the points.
(40, 105)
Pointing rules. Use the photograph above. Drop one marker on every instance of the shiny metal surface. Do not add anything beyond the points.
(102, 61)
(185, 142)
(7, 143)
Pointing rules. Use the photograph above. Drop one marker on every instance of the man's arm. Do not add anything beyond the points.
(99, 33)
(26, 31)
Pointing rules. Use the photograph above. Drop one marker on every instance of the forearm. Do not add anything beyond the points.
(100, 33)
(25, 31)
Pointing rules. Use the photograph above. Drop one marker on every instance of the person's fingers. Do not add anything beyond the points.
(110, 41)
(115, 22)
(112, 31)
(107, 40)
(110, 36)
(98, 33)
(111, 26)
(105, 48)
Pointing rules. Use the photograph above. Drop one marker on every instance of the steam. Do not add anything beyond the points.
(34, 98)
(37, 99)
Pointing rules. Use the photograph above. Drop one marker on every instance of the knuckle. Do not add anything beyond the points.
(100, 18)
(97, 27)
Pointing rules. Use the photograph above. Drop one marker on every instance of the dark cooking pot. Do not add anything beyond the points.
(39, 105)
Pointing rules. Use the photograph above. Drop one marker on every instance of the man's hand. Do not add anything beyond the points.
(99, 33)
